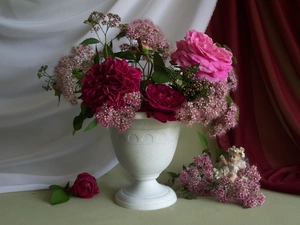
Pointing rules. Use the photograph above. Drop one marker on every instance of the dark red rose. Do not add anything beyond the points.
(85, 186)
(163, 102)
(108, 82)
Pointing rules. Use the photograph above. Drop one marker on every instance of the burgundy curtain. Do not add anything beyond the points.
(265, 36)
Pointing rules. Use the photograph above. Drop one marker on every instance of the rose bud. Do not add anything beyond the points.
(85, 186)
(144, 47)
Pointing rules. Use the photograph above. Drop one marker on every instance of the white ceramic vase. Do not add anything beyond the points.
(145, 150)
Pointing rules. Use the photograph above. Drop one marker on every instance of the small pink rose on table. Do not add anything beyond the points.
(163, 101)
(85, 186)
(198, 48)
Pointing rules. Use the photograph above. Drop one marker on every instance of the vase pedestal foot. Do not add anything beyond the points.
(147, 195)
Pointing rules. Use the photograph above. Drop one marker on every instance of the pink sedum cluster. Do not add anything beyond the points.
(198, 48)
(200, 180)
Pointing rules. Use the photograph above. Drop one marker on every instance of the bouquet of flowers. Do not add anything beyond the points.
(143, 73)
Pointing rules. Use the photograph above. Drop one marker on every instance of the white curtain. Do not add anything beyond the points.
(37, 147)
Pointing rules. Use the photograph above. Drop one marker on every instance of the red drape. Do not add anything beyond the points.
(265, 38)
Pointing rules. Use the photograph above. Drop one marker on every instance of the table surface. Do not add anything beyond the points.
(33, 208)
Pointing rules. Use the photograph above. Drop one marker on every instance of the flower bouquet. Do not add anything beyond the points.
(139, 71)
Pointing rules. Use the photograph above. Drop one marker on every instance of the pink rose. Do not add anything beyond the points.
(214, 62)
(108, 82)
(85, 186)
(163, 102)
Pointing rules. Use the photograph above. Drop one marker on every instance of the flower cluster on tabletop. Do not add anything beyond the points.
(139, 71)
(234, 180)
(85, 186)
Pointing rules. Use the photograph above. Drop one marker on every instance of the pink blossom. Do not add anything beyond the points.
(150, 35)
(108, 82)
(163, 102)
(79, 57)
(120, 118)
(198, 48)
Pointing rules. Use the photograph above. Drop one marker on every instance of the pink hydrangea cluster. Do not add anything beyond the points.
(80, 57)
(199, 180)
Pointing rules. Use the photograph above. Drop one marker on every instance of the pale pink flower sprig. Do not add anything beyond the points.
(199, 179)
(79, 57)
(146, 31)
(98, 19)
(211, 108)
(120, 118)
(245, 190)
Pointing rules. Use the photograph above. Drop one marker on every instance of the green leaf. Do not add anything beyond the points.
(229, 99)
(55, 187)
(144, 84)
(125, 55)
(107, 51)
(59, 196)
(220, 152)
(192, 164)
(209, 188)
(91, 125)
(83, 108)
(203, 140)
(137, 57)
(97, 57)
(173, 181)
(57, 93)
(90, 41)
(160, 78)
(207, 151)
(172, 175)
(120, 35)
(160, 74)
(78, 121)
(159, 64)
(85, 113)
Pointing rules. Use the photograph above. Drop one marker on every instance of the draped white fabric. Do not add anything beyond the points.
(37, 147)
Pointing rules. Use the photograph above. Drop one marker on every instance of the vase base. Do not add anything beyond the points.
(132, 197)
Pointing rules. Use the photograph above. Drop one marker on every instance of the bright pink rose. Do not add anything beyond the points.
(163, 102)
(85, 186)
(214, 62)
(108, 82)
